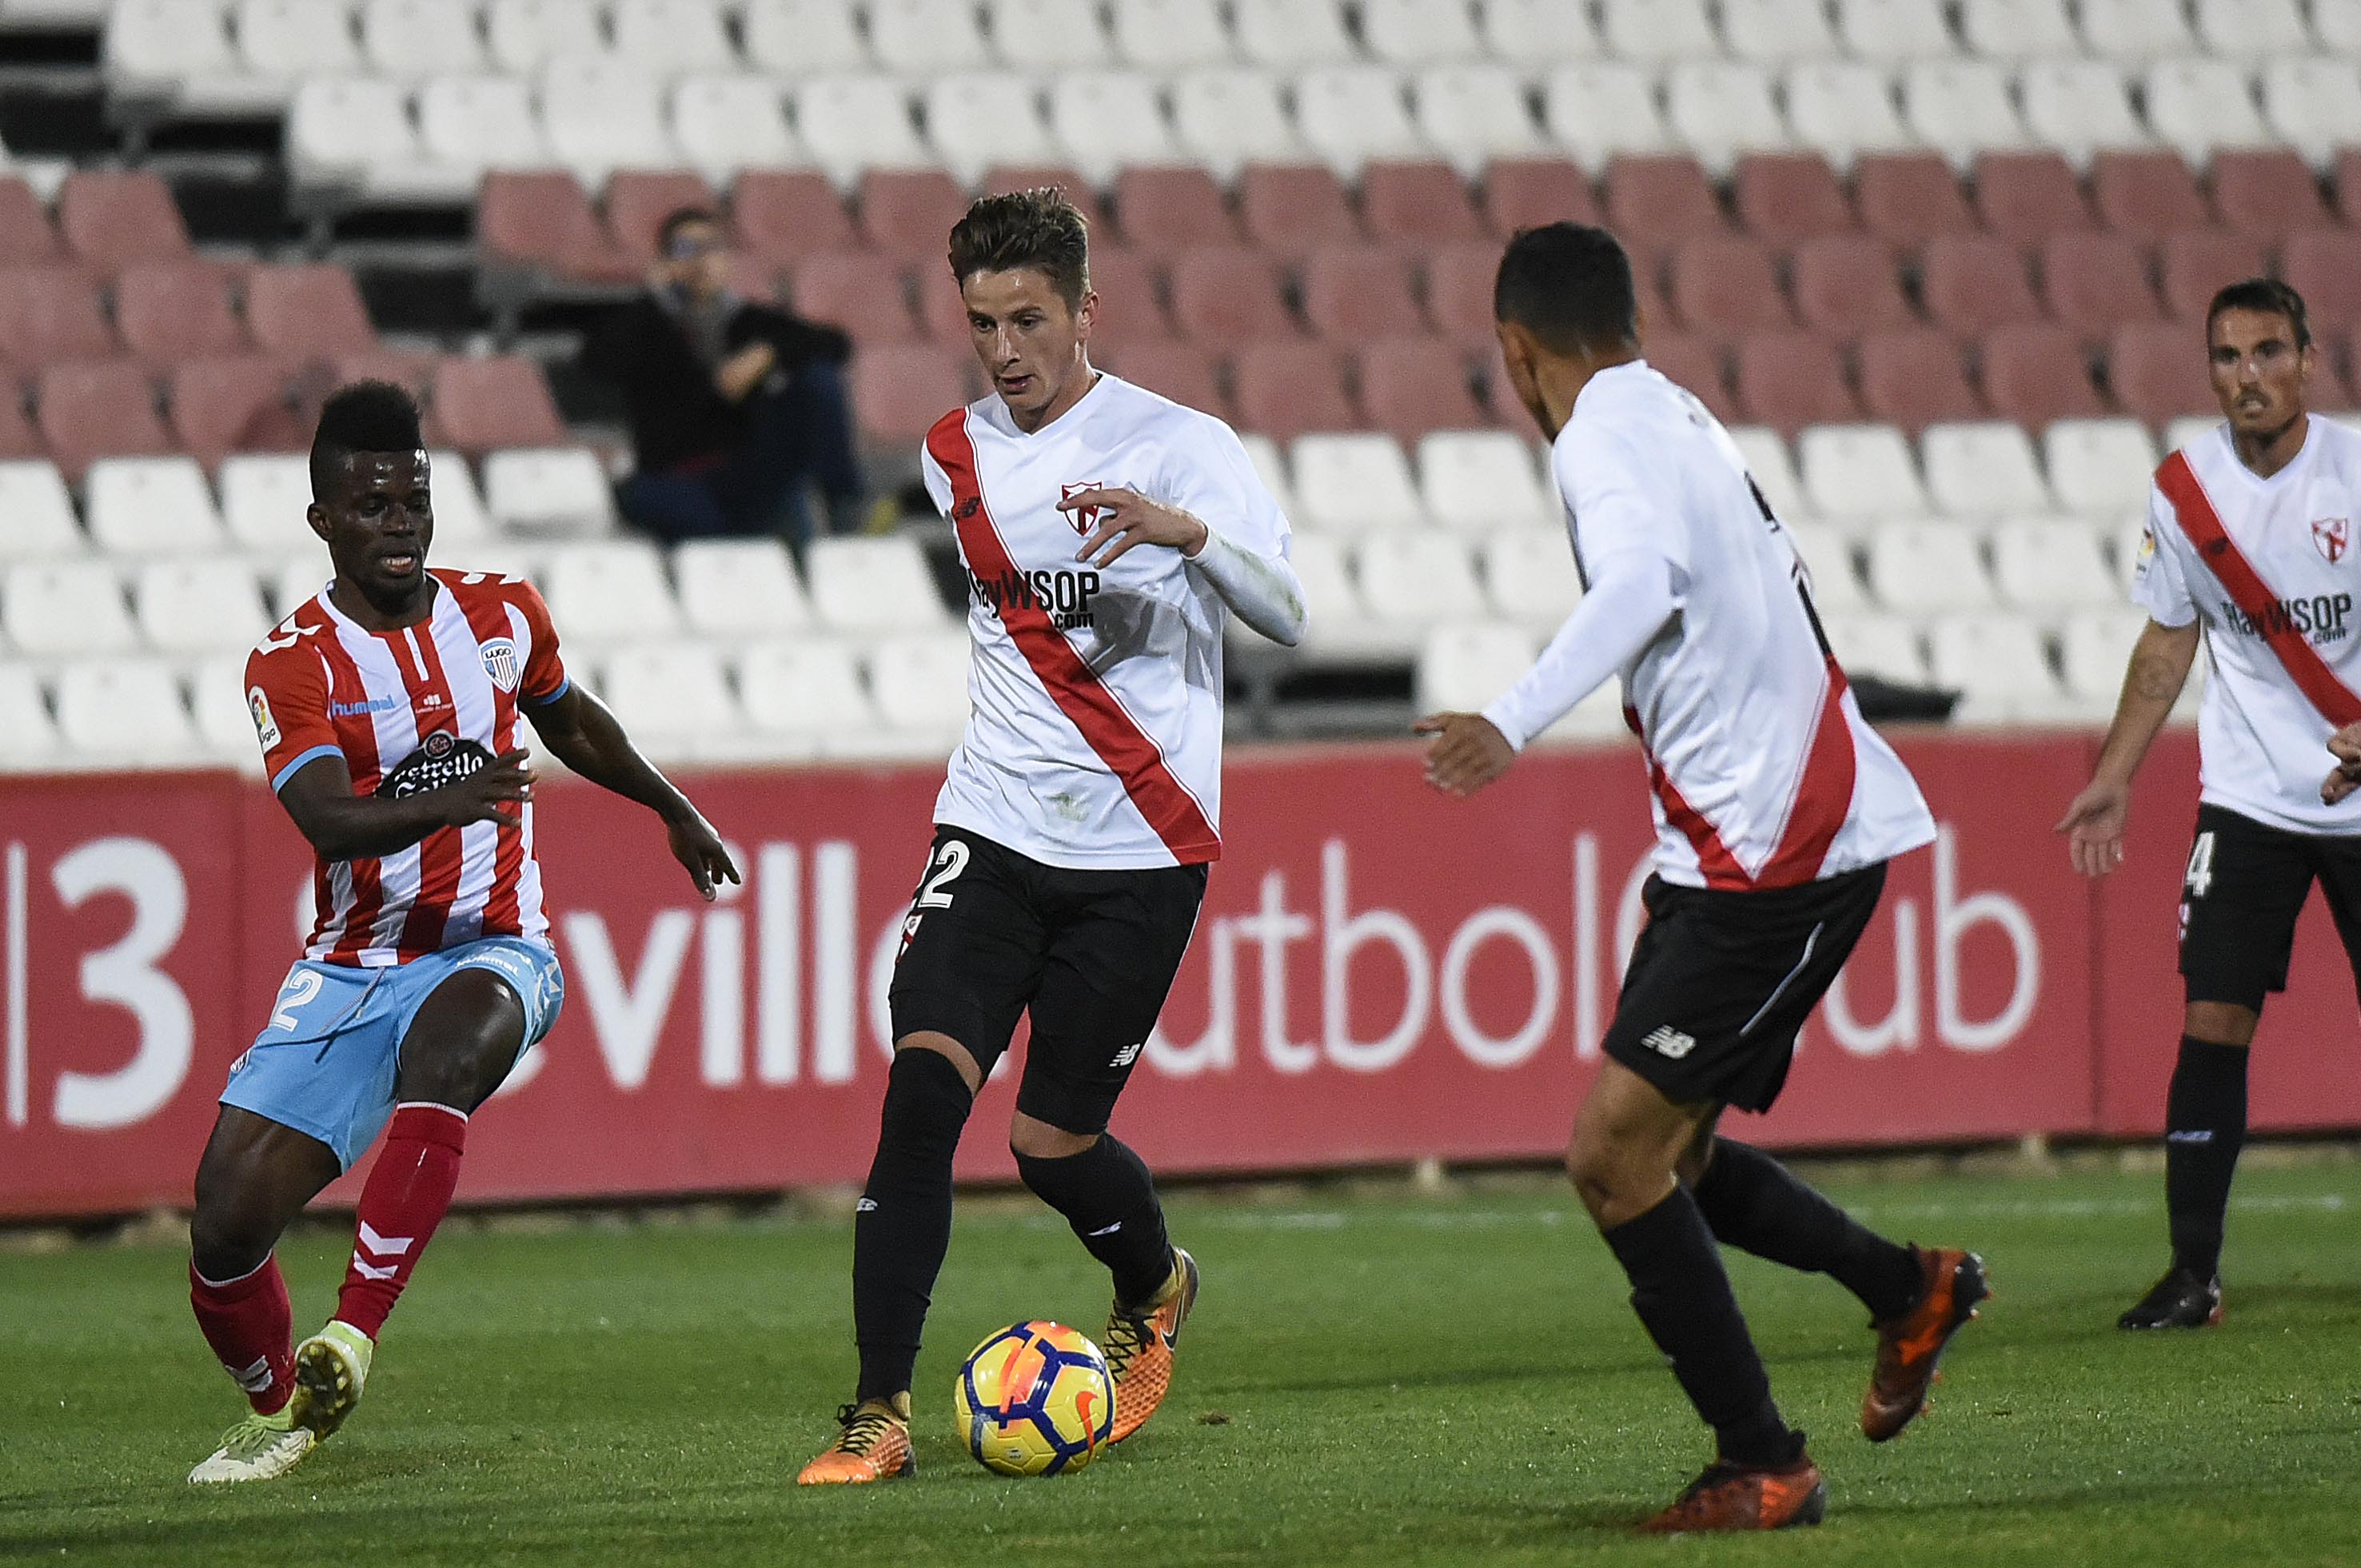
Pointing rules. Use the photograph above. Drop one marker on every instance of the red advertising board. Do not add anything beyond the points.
(1380, 975)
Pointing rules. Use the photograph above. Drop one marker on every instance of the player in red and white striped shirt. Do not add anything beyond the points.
(387, 709)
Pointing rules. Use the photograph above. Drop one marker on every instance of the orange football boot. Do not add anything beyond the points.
(1737, 1497)
(1911, 1344)
(873, 1446)
(1138, 1346)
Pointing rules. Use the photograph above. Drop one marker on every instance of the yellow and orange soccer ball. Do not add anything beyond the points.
(1035, 1400)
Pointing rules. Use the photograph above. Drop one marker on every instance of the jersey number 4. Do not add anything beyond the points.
(2200, 867)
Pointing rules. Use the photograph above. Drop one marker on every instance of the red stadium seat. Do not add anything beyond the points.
(1786, 198)
(1846, 284)
(899, 390)
(1909, 198)
(1130, 300)
(503, 400)
(2024, 197)
(1290, 388)
(1729, 284)
(1499, 397)
(1426, 204)
(1003, 178)
(1292, 208)
(1414, 386)
(2266, 191)
(782, 214)
(542, 221)
(1170, 209)
(2147, 195)
(1972, 282)
(2197, 263)
(1526, 193)
(1185, 372)
(2318, 266)
(98, 408)
(244, 403)
(1695, 363)
(2346, 182)
(865, 294)
(49, 315)
(1915, 378)
(1655, 203)
(117, 218)
(640, 200)
(1459, 291)
(308, 310)
(2158, 371)
(2036, 372)
(2334, 374)
(27, 236)
(167, 311)
(18, 436)
(1225, 295)
(1790, 379)
(908, 213)
(2094, 281)
(1356, 291)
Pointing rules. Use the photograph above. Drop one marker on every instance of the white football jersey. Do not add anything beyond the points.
(1095, 736)
(2261, 740)
(1762, 771)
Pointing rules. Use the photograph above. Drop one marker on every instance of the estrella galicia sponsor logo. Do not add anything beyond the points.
(2323, 618)
(1065, 594)
(441, 758)
(357, 709)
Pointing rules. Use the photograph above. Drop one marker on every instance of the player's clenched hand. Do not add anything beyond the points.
(491, 794)
(1467, 752)
(698, 848)
(1127, 519)
(2093, 826)
(2345, 746)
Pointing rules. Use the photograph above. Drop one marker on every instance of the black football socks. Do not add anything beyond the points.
(1682, 1297)
(1760, 1206)
(2205, 1125)
(903, 1224)
(1106, 1194)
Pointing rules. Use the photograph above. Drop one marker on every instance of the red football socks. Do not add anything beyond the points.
(248, 1321)
(408, 1191)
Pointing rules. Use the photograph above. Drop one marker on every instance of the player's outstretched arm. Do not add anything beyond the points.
(1263, 591)
(343, 826)
(2094, 823)
(580, 733)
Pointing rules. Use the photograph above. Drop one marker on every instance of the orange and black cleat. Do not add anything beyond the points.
(873, 1446)
(1910, 1346)
(1740, 1496)
(1139, 1344)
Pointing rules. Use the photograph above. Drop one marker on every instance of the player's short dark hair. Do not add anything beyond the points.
(680, 218)
(2267, 295)
(368, 416)
(1039, 228)
(1570, 286)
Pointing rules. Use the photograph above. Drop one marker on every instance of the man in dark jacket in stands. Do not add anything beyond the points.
(735, 406)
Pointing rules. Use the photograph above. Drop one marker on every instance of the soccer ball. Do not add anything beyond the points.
(1035, 1400)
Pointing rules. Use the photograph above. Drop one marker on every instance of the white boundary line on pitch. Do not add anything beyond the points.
(1490, 1219)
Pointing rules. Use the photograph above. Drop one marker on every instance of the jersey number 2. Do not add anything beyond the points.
(949, 861)
(301, 987)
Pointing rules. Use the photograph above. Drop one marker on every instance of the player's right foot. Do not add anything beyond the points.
(2179, 1300)
(1139, 1345)
(332, 1367)
(1738, 1496)
(259, 1448)
(873, 1446)
(1910, 1346)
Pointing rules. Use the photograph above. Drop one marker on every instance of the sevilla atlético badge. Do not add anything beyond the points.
(1085, 518)
(2330, 534)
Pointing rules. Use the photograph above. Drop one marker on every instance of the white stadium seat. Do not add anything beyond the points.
(355, 136)
(1049, 34)
(550, 490)
(200, 606)
(1921, 566)
(124, 713)
(1104, 122)
(2314, 103)
(1418, 576)
(169, 52)
(216, 687)
(796, 694)
(977, 120)
(2337, 25)
(743, 588)
(2079, 106)
(1843, 109)
(871, 585)
(923, 38)
(1963, 108)
(460, 517)
(1170, 35)
(725, 124)
(1723, 108)
(1828, 556)
(2135, 30)
(2099, 466)
(1541, 32)
(673, 699)
(920, 684)
(1775, 32)
(802, 37)
(609, 592)
(1341, 627)
(1227, 118)
(1772, 468)
(422, 38)
(1604, 110)
(602, 113)
(1421, 32)
(1529, 577)
(1475, 113)
(291, 39)
(2094, 649)
(1271, 467)
(1464, 665)
(2017, 29)
(1894, 29)
(1883, 645)
(525, 35)
(150, 506)
(1290, 34)
(2049, 564)
(1660, 30)
(1998, 664)
(1348, 484)
(295, 578)
(1348, 114)
(1983, 469)
(2251, 30)
(1479, 480)
(33, 742)
(478, 123)
(2196, 105)
(853, 124)
(1859, 472)
(669, 37)
(41, 513)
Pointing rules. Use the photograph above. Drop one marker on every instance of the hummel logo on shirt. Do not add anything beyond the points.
(1667, 1041)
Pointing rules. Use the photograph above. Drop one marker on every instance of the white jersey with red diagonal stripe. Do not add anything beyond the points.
(1094, 732)
(406, 711)
(1762, 770)
(2291, 539)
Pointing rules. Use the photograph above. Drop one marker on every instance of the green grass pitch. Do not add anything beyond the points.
(1373, 1377)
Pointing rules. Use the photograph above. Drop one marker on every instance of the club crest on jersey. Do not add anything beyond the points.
(2331, 535)
(500, 663)
(1085, 518)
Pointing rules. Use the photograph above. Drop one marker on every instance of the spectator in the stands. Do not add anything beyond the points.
(736, 408)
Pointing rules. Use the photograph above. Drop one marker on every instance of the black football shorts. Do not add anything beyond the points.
(1091, 953)
(2245, 883)
(1720, 981)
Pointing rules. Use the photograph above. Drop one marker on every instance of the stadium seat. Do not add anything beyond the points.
(781, 213)
(70, 606)
(167, 311)
(1720, 109)
(604, 113)
(541, 222)
(1786, 198)
(1349, 115)
(28, 238)
(1845, 285)
(2099, 467)
(1226, 296)
(1844, 109)
(1909, 198)
(1270, 466)
(2093, 647)
(1048, 35)
(899, 390)
(723, 124)
(1656, 202)
(907, 212)
(1459, 292)
(1828, 557)
(802, 37)
(1415, 578)
(2017, 29)
(924, 39)
(1915, 377)
(1597, 111)
(2185, 430)
(150, 507)
(42, 522)
(2024, 197)
(418, 39)
(501, 400)
(1464, 665)
(1972, 283)
(2314, 103)
(1478, 481)
(242, 402)
(871, 585)
(526, 35)
(1473, 113)
(2158, 371)
(307, 310)
(1983, 469)
(1697, 364)
(263, 496)
(2035, 372)
(1859, 471)
(609, 592)
(919, 682)
(2079, 106)
(1963, 108)
(2193, 265)
(1775, 32)
(2318, 266)
(2134, 30)
(98, 408)
(1185, 372)
(124, 713)
(1289, 34)
(1130, 305)
(199, 605)
(1658, 30)
(1104, 122)
(474, 124)
(850, 125)
(1526, 193)
(859, 292)
(2147, 195)
(290, 39)
(672, 38)
(802, 693)
(639, 200)
(224, 726)
(1418, 203)
(977, 119)
(2196, 105)
(1894, 30)
(1166, 209)
(1773, 468)
(350, 142)
(33, 741)
(49, 315)
(461, 517)
(1224, 118)
(1169, 33)
(674, 699)
(1289, 389)
(2051, 564)
(1290, 208)
(297, 576)
(1998, 664)
(2094, 281)
(1353, 483)
(1414, 386)
(738, 588)
(1530, 579)
(1357, 291)
(1885, 645)
(548, 490)
(1789, 380)
(2266, 191)
(1536, 30)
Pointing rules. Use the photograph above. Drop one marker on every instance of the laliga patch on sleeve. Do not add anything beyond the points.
(266, 729)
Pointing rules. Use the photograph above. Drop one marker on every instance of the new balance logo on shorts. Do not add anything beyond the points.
(1667, 1041)
(1126, 1056)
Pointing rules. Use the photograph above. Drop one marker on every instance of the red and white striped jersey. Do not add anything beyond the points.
(407, 711)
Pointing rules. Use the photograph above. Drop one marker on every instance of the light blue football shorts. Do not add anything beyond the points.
(325, 1064)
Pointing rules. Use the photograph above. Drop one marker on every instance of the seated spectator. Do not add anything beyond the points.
(734, 405)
